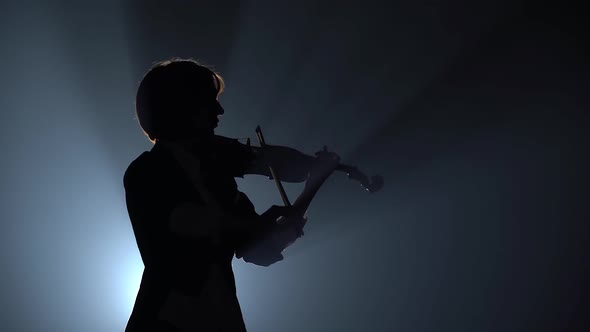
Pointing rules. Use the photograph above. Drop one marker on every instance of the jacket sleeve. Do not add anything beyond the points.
(240, 159)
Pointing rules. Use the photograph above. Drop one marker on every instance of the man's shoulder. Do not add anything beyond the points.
(155, 166)
(140, 168)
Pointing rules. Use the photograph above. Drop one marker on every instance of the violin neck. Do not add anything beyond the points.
(347, 169)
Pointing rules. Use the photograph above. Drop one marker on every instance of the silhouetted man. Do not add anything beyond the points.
(188, 217)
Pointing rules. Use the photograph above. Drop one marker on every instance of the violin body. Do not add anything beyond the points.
(289, 164)
(282, 163)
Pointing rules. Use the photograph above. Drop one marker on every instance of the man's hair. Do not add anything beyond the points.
(170, 91)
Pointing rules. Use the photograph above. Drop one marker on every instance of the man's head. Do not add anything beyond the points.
(177, 99)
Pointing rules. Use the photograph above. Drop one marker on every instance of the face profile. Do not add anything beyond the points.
(205, 118)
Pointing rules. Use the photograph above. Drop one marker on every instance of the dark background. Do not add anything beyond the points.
(474, 112)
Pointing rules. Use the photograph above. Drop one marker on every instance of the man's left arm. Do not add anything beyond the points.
(289, 164)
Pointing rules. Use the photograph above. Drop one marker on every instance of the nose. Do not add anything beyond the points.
(219, 109)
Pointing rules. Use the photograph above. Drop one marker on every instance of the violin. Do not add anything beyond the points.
(285, 229)
(373, 184)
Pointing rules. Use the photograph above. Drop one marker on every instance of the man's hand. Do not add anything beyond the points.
(276, 211)
(284, 224)
(326, 162)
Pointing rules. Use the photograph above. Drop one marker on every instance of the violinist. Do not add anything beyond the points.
(188, 216)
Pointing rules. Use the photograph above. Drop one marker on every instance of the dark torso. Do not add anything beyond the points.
(155, 184)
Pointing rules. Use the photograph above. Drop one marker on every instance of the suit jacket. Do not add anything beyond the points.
(194, 268)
